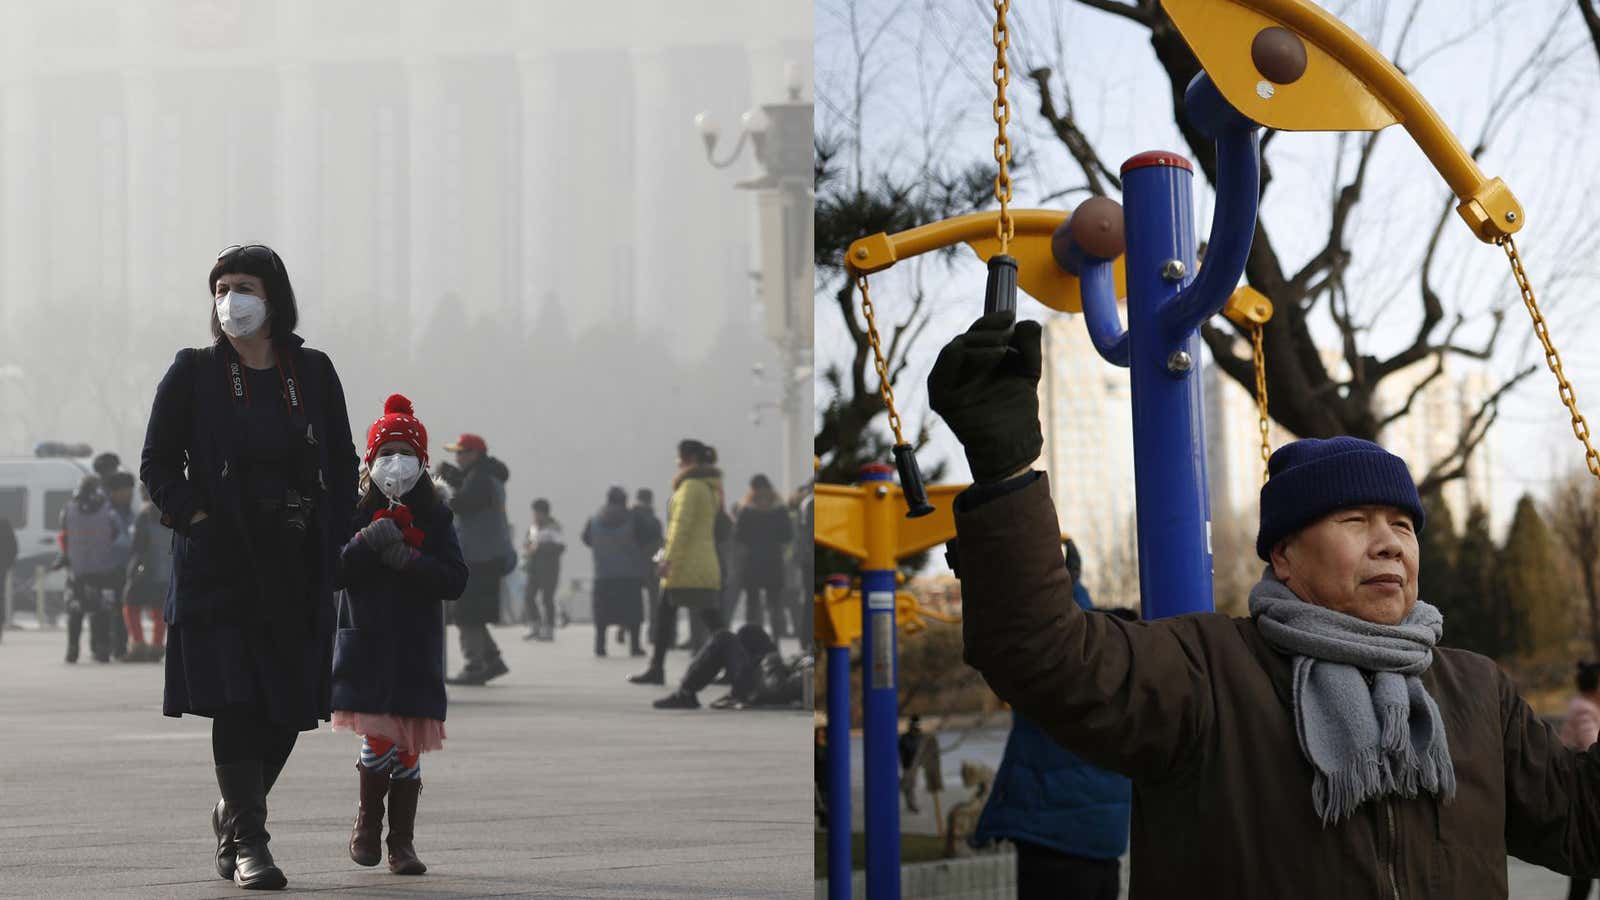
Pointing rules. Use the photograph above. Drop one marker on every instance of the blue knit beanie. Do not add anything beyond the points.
(1310, 478)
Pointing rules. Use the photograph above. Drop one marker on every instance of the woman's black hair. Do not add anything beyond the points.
(1588, 677)
(695, 452)
(269, 267)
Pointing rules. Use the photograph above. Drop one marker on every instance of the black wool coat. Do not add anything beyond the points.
(189, 447)
(388, 653)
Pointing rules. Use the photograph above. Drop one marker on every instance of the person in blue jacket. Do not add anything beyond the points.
(399, 569)
(1068, 819)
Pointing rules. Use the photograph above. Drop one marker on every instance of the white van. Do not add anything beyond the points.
(33, 491)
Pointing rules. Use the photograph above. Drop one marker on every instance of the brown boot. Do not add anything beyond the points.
(365, 835)
(402, 819)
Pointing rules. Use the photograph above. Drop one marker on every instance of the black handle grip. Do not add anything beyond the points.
(1001, 293)
(905, 460)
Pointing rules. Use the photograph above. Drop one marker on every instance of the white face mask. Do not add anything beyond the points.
(396, 474)
(241, 315)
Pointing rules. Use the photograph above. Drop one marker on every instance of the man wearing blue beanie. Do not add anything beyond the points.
(1325, 746)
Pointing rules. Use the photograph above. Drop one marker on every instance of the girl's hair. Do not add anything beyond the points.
(691, 450)
(760, 487)
(1588, 676)
(267, 266)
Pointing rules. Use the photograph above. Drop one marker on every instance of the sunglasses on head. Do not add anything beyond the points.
(251, 251)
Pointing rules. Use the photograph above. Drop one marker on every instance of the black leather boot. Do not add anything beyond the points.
(366, 835)
(226, 848)
(244, 793)
(402, 821)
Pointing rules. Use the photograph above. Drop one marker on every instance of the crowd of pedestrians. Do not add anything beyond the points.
(288, 579)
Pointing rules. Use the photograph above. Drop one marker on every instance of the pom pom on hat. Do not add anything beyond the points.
(398, 423)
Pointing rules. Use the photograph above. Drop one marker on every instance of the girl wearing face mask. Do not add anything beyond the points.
(388, 666)
(249, 458)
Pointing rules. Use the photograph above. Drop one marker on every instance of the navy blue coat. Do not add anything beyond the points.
(1045, 795)
(188, 447)
(388, 654)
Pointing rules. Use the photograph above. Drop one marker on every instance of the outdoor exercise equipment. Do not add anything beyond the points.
(839, 610)
(1282, 64)
(865, 521)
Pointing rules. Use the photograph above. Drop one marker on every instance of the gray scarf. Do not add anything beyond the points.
(1363, 741)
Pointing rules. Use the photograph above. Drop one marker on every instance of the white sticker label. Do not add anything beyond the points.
(882, 652)
(880, 600)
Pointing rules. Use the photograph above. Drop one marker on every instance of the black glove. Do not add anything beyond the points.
(985, 385)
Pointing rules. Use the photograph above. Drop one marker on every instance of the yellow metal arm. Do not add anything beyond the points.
(868, 521)
(1343, 84)
(1037, 272)
(838, 615)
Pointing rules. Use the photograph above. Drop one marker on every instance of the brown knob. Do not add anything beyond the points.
(1279, 55)
(1096, 227)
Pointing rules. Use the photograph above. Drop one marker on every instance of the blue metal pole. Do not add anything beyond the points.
(839, 821)
(1174, 511)
(1233, 221)
(880, 721)
(1097, 287)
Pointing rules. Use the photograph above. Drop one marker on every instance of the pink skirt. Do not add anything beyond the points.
(409, 733)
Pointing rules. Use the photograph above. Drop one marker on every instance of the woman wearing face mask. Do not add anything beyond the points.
(388, 666)
(249, 458)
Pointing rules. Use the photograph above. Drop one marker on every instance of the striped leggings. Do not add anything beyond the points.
(378, 755)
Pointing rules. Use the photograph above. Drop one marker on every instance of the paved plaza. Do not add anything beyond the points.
(558, 780)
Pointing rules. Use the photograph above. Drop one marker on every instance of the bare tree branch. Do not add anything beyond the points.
(1334, 250)
(1416, 391)
(1141, 11)
(1454, 465)
(1591, 20)
(1066, 128)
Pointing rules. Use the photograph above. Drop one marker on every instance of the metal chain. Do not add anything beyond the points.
(1580, 425)
(1261, 398)
(884, 389)
(1005, 229)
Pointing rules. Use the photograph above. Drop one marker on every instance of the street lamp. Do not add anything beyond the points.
(781, 135)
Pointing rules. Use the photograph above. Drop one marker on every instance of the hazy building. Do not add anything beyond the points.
(1087, 413)
(1423, 437)
(499, 151)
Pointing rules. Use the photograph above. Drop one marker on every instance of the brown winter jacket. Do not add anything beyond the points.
(1196, 710)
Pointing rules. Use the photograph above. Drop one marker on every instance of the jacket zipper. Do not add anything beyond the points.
(1394, 848)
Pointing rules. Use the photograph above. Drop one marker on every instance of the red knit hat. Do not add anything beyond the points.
(397, 424)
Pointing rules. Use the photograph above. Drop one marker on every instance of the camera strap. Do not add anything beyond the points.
(239, 387)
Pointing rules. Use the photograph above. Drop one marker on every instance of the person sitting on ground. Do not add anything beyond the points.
(1327, 746)
(756, 669)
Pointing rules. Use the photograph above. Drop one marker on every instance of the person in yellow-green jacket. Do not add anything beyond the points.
(690, 576)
